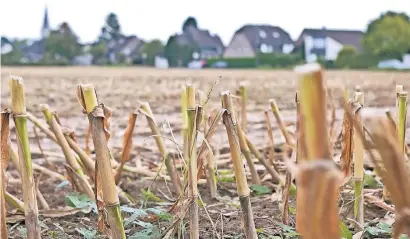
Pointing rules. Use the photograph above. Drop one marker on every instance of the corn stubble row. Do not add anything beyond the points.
(318, 179)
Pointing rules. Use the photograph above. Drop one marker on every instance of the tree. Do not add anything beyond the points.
(177, 55)
(190, 21)
(98, 52)
(151, 49)
(16, 54)
(62, 43)
(111, 29)
(388, 36)
(372, 24)
(345, 57)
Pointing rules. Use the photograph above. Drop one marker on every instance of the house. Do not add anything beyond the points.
(250, 40)
(207, 45)
(126, 49)
(33, 51)
(161, 61)
(327, 43)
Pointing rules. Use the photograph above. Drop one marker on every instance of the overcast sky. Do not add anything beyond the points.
(150, 19)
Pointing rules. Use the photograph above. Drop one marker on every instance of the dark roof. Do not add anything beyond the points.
(199, 37)
(127, 41)
(36, 47)
(274, 35)
(345, 37)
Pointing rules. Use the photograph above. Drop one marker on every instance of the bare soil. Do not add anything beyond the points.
(122, 88)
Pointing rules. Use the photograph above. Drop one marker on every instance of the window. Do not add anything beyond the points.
(266, 48)
(319, 43)
(287, 48)
(275, 35)
(262, 34)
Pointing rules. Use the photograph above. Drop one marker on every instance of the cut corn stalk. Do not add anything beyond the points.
(211, 176)
(348, 140)
(126, 145)
(145, 109)
(318, 188)
(204, 149)
(14, 202)
(392, 169)
(41, 126)
(192, 114)
(332, 129)
(244, 100)
(269, 130)
(240, 176)
(313, 107)
(88, 163)
(27, 178)
(5, 131)
(271, 170)
(278, 117)
(184, 121)
(401, 119)
(358, 166)
(68, 153)
(88, 99)
(244, 146)
(318, 180)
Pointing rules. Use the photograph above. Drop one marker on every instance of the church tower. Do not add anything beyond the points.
(45, 31)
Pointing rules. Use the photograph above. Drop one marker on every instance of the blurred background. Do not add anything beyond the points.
(207, 34)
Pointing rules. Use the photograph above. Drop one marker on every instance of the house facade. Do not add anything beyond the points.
(327, 43)
(250, 40)
(207, 45)
(126, 49)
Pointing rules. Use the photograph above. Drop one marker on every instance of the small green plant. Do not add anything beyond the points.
(87, 234)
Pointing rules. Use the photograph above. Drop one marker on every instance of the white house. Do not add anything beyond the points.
(327, 43)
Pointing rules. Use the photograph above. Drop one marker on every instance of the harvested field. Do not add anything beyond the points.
(122, 88)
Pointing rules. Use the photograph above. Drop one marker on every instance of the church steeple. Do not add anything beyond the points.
(45, 31)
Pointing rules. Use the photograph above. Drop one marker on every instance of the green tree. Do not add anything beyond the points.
(16, 54)
(178, 55)
(372, 25)
(98, 52)
(388, 36)
(190, 21)
(346, 56)
(62, 44)
(151, 49)
(111, 29)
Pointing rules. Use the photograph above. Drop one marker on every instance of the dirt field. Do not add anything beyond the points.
(122, 88)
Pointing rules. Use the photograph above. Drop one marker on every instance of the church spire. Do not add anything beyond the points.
(45, 31)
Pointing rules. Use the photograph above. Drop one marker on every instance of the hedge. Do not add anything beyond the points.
(270, 60)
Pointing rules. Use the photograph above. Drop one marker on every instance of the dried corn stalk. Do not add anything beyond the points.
(318, 186)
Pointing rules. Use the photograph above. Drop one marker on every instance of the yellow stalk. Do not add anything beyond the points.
(192, 163)
(401, 119)
(146, 110)
(313, 108)
(358, 165)
(27, 178)
(88, 99)
(211, 176)
(278, 117)
(244, 100)
(240, 176)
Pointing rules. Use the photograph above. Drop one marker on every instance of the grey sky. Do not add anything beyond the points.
(150, 19)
